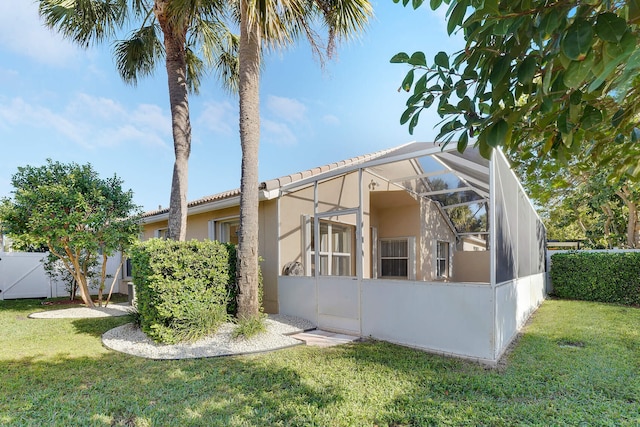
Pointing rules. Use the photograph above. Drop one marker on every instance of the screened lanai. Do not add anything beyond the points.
(418, 245)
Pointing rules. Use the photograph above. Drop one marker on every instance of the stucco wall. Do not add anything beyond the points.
(472, 266)
(334, 194)
(433, 228)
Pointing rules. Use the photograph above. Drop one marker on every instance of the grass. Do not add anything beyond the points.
(577, 364)
(247, 328)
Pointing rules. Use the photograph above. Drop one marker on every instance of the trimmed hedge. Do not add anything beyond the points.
(183, 289)
(612, 277)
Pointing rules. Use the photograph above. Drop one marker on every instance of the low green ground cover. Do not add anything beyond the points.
(577, 364)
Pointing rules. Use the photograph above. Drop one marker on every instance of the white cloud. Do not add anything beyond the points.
(92, 122)
(277, 133)
(330, 119)
(220, 117)
(290, 110)
(22, 32)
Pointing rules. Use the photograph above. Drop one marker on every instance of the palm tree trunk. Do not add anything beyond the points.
(249, 91)
(174, 44)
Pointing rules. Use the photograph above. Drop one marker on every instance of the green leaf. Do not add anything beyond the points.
(418, 59)
(469, 73)
(416, 3)
(421, 85)
(577, 40)
(463, 142)
(414, 122)
(400, 58)
(577, 72)
(442, 60)
(456, 17)
(549, 24)
(414, 99)
(576, 97)
(500, 69)
(497, 134)
(465, 104)
(461, 88)
(407, 114)
(614, 55)
(408, 81)
(491, 7)
(563, 124)
(617, 118)
(591, 117)
(527, 70)
(435, 4)
(428, 101)
(610, 27)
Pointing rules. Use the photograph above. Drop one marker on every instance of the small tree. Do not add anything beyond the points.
(81, 218)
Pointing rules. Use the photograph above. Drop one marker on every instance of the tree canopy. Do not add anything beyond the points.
(78, 216)
(561, 75)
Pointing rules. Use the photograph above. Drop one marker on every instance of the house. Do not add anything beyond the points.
(417, 245)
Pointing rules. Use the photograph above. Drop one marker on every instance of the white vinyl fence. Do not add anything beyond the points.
(22, 275)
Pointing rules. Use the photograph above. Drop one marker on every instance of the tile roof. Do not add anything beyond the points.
(276, 183)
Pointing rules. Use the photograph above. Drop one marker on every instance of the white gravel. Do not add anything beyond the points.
(83, 312)
(131, 340)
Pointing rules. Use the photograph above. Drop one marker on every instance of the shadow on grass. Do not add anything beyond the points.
(97, 326)
(117, 389)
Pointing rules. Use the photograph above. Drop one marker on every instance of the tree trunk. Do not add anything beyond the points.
(607, 225)
(249, 58)
(632, 219)
(175, 52)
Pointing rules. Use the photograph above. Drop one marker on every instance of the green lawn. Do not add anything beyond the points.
(577, 364)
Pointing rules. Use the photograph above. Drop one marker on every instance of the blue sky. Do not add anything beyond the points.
(65, 103)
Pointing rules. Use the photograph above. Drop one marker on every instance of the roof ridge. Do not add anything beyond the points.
(285, 179)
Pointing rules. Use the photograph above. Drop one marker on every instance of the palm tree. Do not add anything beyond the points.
(185, 25)
(275, 24)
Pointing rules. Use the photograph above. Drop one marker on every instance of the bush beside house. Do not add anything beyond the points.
(612, 277)
(183, 289)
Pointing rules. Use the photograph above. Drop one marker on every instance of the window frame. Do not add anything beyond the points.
(329, 254)
(440, 257)
(410, 258)
(216, 228)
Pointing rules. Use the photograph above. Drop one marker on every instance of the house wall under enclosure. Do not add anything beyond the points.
(421, 246)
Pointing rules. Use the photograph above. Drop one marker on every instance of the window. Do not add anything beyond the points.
(161, 233)
(397, 258)
(225, 230)
(394, 258)
(336, 248)
(442, 260)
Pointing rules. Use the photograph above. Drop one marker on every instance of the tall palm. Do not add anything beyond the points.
(275, 24)
(185, 25)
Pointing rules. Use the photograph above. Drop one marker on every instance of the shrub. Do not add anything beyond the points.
(182, 288)
(232, 304)
(597, 276)
(247, 328)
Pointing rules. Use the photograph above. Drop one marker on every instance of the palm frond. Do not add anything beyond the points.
(137, 56)
(219, 48)
(344, 19)
(84, 21)
(195, 70)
